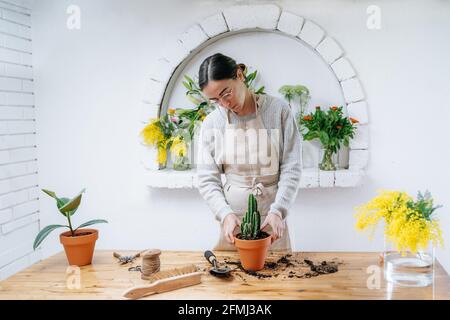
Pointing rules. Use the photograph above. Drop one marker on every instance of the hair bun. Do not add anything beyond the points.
(243, 67)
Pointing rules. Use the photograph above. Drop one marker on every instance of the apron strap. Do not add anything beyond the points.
(255, 183)
(257, 188)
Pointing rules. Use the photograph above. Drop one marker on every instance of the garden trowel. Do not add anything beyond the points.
(216, 270)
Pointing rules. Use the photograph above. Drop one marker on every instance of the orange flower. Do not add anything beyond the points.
(353, 120)
(307, 118)
(339, 127)
(334, 108)
(171, 111)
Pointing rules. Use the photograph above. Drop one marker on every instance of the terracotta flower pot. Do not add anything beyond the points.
(253, 253)
(79, 249)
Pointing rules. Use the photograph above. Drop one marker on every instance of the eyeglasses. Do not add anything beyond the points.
(225, 97)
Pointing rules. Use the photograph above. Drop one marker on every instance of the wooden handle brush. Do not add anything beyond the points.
(164, 281)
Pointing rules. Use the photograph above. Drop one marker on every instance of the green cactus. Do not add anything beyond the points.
(251, 223)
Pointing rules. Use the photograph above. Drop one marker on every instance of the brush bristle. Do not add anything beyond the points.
(173, 272)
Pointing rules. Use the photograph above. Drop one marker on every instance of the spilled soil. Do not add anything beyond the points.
(286, 266)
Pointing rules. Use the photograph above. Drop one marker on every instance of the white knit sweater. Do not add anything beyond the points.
(275, 114)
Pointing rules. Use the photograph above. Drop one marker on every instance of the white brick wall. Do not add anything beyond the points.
(243, 17)
(214, 25)
(311, 33)
(19, 207)
(290, 23)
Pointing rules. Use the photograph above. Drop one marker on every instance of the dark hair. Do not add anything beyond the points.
(217, 67)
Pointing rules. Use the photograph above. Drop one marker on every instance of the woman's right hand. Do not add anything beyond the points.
(230, 223)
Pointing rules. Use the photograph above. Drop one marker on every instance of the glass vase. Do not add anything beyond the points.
(162, 155)
(328, 160)
(409, 269)
(181, 162)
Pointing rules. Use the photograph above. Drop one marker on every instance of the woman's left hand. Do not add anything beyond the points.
(276, 223)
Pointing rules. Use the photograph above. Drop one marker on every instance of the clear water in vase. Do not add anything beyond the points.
(411, 270)
(181, 163)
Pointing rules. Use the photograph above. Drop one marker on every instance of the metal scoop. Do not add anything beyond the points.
(216, 270)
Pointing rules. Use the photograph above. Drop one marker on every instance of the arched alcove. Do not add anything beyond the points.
(310, 58)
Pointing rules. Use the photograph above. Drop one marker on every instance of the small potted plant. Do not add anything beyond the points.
(78, 243)
(332, 128)
(252, 243)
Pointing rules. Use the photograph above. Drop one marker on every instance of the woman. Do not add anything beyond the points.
(253, 127)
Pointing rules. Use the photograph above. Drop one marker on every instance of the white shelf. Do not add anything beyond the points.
(173, 179)
(311, 178)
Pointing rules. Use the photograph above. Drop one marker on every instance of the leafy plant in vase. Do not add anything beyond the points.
(411, 233)
(175, 131)
(157, 134)
(252, 243)
(294, 93)
(78, 243)
(333, 130)
(181, 151)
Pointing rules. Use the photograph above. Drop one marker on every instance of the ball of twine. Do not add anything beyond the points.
(150, 263)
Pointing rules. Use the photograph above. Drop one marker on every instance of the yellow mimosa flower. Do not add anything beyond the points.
(152, 133)
(179, 146)
(162, 155)
(405, 226)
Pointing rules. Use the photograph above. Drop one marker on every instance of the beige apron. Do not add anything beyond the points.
(244, 176)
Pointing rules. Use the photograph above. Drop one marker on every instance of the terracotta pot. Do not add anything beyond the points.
(253, 253)
(80, 249)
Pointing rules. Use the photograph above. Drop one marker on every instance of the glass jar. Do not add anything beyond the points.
(181, 154)
(329, 160)
(409, 269)
(162, 155)
(182, 162)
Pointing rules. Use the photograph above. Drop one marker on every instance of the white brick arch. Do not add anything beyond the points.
(262, 18)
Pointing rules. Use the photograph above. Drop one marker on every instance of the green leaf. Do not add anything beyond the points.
(50, 193)
(310, 136)
(60, 202)
(323, 136)
(251, 77)
(73, 204)
(91, 222)
(260, 90)
(194, 100)
(346, 142)
(187, 86)
(44, 233)
(188, 78)
(183, 111)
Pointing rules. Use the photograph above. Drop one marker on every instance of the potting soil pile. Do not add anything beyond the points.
(286, 266)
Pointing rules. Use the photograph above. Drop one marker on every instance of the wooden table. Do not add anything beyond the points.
(106, 279)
